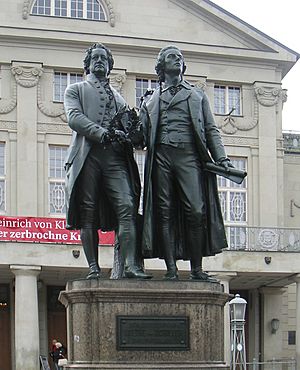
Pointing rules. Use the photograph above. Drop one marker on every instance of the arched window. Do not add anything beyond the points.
(83, 9)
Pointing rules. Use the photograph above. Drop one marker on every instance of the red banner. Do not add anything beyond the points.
(43, 230)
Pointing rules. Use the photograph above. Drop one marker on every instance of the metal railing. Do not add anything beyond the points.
(263, 238)
(275, 364)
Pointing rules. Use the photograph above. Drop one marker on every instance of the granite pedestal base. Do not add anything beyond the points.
(138, 324)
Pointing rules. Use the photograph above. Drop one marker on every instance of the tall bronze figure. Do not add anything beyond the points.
(102, 180)
(182, 215)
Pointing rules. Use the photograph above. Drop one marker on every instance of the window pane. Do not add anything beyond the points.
(75, 77)
(141, 86)
(237, 206)
(60, 8)
(57, 197)
(219, 99)
(223, 203)
(239, 164)
(42, 7)
(2, 167)
(77, 8)
(60, 85)
(2, 195)
(89, 9)
(57, 201)
(222, 181)
(154, 84)
(95, 10)
(234, 100)
(57, 156)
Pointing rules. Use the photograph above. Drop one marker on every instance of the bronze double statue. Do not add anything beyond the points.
(181, 213)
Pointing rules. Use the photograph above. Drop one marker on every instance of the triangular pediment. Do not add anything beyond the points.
(199, 26)
(204, 25)
(213, 26)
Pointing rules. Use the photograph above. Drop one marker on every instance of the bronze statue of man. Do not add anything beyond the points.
(182, 214)
(102, 180)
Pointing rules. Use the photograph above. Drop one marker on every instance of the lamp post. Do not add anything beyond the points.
(237, 321)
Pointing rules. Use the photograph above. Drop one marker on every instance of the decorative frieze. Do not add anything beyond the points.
(201, 84)
(26, 8)
(117, 82)
(240, 141)
(49, 109)
(268, 96)
(7, 105)
(111, 13)
(26, 76)
(54, 128)
(230, 125)
(8, 125)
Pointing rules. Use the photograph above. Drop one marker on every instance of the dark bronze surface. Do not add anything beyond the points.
(153, 333)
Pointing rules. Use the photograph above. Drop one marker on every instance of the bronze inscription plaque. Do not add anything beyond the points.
(153, 333)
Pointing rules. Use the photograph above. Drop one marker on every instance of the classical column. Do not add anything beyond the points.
(26, 317)
(224, 280)
(297, 280)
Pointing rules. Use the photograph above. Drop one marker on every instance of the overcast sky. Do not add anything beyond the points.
(280, 20)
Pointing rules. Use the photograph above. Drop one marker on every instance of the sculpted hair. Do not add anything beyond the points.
(88, 53)
(160, 63)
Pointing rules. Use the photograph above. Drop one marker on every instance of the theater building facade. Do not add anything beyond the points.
(240, 68)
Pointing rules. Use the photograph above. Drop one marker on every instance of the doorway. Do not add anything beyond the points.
(56, 319)
(5, 337)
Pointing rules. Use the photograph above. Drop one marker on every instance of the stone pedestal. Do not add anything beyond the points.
(97, 309)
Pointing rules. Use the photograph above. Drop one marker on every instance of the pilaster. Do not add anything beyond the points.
(26, 317)
(271, 344)
(27, 76)
(297, 280)
(269, 97)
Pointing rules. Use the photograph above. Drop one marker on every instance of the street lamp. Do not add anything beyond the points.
(237, 321)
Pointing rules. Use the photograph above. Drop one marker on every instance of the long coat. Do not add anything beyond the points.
(209, 146)
(85, 108)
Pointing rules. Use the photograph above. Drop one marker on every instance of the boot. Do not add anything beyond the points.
(198, 274)
(197, 241)
(90, 241)
(131, 269)
(172, 270)
(128, 249)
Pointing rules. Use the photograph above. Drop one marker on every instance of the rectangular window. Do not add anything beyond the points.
(292, 337)
(233, 200)
(61, 81)
(57, 199)
(141, 86)
(227, 99)
(2, 179)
